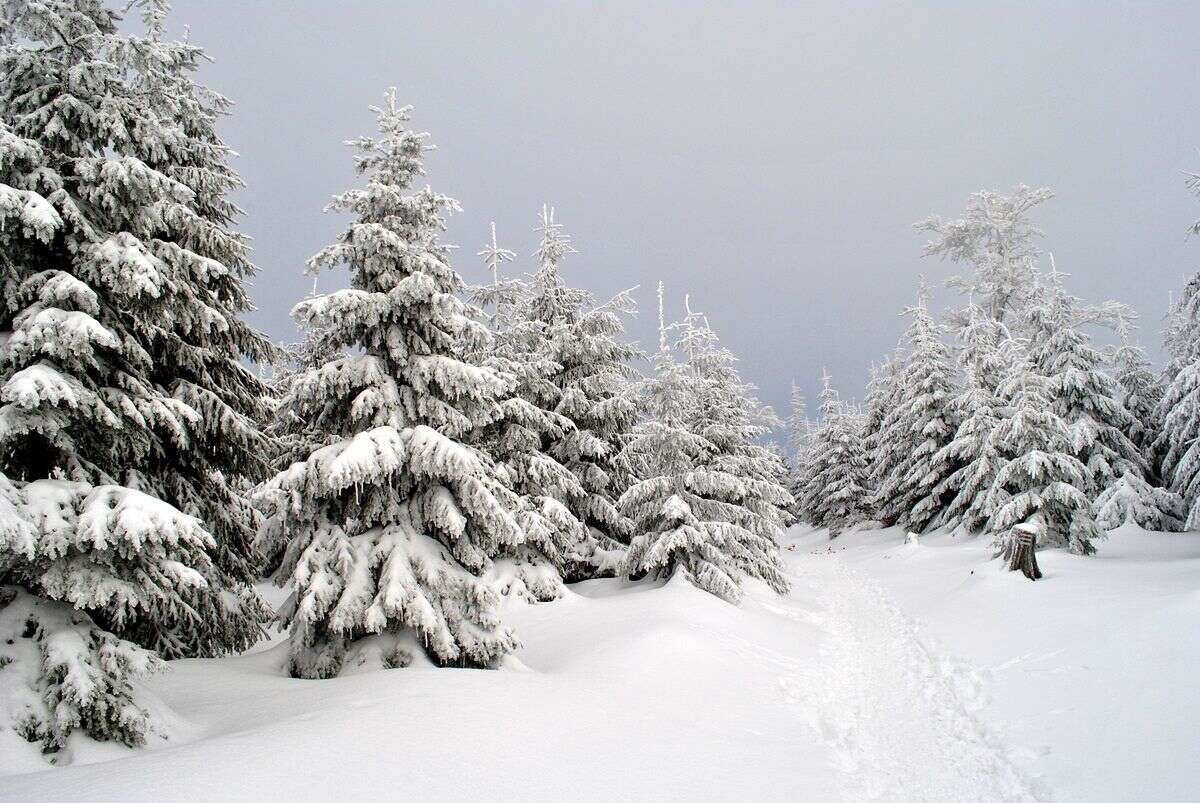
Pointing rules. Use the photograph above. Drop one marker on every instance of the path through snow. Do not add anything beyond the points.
(900, 717)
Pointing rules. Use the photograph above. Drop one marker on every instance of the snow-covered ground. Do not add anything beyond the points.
(892, 672)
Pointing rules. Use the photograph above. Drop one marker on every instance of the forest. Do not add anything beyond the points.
(429, 452)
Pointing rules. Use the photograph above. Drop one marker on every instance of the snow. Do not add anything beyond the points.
(892, 671)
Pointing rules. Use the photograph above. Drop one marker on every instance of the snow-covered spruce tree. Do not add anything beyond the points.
(1131, 499)
(1041, 482)
(800, 432)
(205, 247)
(917, 429)
(395, 523)
(728, 414)
(291, 437)
(516, 440)
(688, 515)
(882, 397)
(835, 488)
(983, 359)
(594, 392)
(1084, 396)
(996, 240)
(1142, 398)
(1179, 442)
(1131, 496)
(120, 373)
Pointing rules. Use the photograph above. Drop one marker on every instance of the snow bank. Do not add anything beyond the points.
(890, 672)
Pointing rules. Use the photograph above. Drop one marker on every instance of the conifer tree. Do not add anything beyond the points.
(554, 536)
(996, 240)
(728, 414)
(918, 427)
(394, 524)
(983, 359)
(688, 513)
(1083, 394)
(1131, 499)
(1179, 443)
(800, 433)
(1041, 482)
(835, 486)
(1142, 394)
(591, 386)
(882, 397)
(121, 381)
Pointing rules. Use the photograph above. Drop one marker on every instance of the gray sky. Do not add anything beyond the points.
(768, 158)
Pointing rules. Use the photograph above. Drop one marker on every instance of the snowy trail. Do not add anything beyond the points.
(899, 716)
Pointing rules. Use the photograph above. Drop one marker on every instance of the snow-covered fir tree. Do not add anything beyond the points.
(800, 435)
(1142, 394)
(986, 352)
(1134, 496)
(918, 427)
(728, 414)
(1179, 443)
(690, 514)
(1131, 499)
(1084, 395)
(882, 397)
(1041, 482)
(395, 523)
(554, 536)
(834, 488)
(593, 389)
(996, 240)
(122, 393)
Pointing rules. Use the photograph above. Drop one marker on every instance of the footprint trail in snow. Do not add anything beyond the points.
(900, 717)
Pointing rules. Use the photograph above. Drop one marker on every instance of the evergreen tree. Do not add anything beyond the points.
(728, 414)
(882, 397)
(120, 366)
(1179, 443)
(554, 536)
(591, 386)
(983, 359)
(1132, 499)
(1083, 394)
(1041, 482)
(689, 513)
(918, 427)
(996, 240)
(800, 433)
(1142, 394)
(395, 523)
(835, 486)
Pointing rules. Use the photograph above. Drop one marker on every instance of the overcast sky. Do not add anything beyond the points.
(768, 158)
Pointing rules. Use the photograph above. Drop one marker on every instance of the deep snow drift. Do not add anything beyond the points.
(892, 671)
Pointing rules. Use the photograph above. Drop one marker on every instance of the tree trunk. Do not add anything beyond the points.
(1019, 551)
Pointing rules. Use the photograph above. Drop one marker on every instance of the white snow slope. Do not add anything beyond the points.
(891, 672)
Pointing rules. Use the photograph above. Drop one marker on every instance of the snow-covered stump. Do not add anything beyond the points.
(1020, 551)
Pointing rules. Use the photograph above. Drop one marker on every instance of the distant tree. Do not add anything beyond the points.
(517, 441)
(835, 488)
